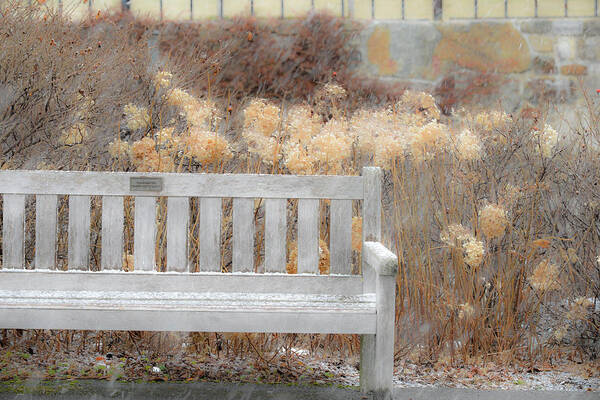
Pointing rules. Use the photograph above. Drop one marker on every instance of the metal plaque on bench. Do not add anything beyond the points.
(144, 184)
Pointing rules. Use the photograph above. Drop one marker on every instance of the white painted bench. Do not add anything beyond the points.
(43, 297)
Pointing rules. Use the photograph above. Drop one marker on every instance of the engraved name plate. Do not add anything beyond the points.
(142, 184)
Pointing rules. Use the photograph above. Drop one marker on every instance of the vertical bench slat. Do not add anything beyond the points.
(13, 231)
(144, 235)
(112, 232)
(275, 235)
(308, 236)
(46, 208)
(243, 235)
(79, 232)
(210, 234)
(178, 217)
(341, 236)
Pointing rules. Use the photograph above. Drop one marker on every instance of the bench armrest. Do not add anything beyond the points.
(378, 257)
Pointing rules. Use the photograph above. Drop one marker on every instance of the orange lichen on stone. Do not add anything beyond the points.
(378, 51)
(573, 69)
(483, 47)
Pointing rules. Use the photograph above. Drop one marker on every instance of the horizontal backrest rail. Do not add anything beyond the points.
(349, 285)
(181, 185)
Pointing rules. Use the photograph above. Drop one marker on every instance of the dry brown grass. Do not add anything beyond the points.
(494, 217)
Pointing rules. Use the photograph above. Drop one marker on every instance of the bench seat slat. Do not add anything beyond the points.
(187, 282)
(13, 229)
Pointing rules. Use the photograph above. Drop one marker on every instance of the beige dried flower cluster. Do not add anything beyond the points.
(137, 117)
(545, 277)
(420, 104)
(545, 140)
(332, 146)
(75, 134)
(428, 141)
(146, 156)
(198, 113)
(262, 121)
(457, 236)
(79, 131)
(119, 149)
(162, 79)
(468, 146)
(465, 311)
(493, 221)
(206, 147)
(327, 100)
(490, 121)
(580, 309)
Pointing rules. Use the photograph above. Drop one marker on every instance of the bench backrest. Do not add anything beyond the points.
(47, 186)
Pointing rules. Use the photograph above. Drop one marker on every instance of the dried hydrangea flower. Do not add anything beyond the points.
(493, 221)
(119, 148)
(545, 140)
(545, 277)
(474, 252)
(137, 117)
(468, 146)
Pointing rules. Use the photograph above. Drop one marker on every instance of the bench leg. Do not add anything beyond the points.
(377, 351)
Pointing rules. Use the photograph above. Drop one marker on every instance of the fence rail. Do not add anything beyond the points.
(361, 9)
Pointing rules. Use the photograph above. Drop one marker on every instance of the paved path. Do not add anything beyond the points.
(96, 390)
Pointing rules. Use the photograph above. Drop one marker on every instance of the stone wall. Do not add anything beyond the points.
(512, 61)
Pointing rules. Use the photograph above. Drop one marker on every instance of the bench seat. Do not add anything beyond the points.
(179, 311)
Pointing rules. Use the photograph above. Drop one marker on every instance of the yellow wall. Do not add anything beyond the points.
(458, 9)
(384, 9)
(267, 8)
(521, 8)
(332, 6)
(418, 9)
(104, 5)
(362, 9)
(551, 8)
(235, 8)
(146, 8)
(296, 8)
(176, 9)
(490, 9)
(581, 8)
(388, 9)
(206, 9)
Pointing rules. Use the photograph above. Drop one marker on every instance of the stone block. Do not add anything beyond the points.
(551, 8)
(484, 47)
(542, 43)
(581, 8)
(588, 48)
(567, 27)
(541, 90)
(539, 26)
(544, 65)
(417, 9)
(521, 9)
(205, 9)
(565, 48)
(573, 69)
(591, 27)
(403, 50)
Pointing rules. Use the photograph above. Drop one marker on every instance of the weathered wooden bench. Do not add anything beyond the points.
(43, 297)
